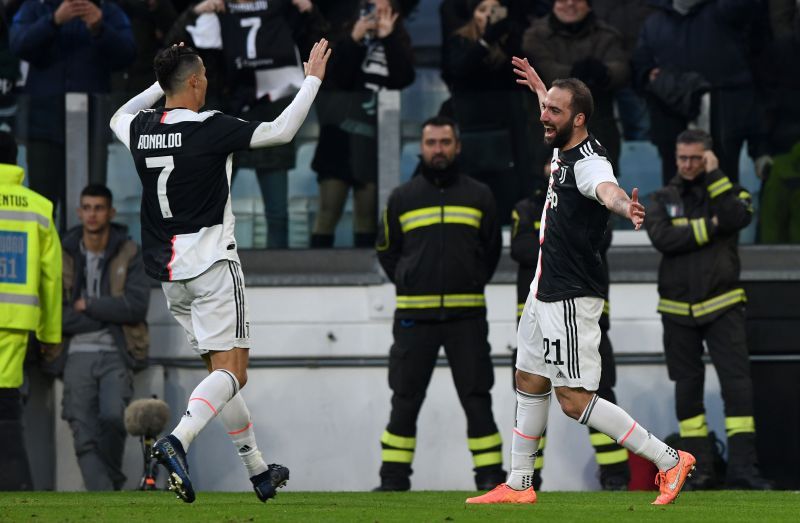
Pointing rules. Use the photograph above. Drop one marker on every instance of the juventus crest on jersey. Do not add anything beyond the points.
(573, 225)
(184, 161)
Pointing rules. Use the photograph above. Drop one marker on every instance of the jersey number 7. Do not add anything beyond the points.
(166, 164)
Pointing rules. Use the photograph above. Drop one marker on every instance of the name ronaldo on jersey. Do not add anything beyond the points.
(160, 141)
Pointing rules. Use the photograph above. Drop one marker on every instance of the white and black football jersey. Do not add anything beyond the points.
(183, 159)
(255, 35)
(573, 225)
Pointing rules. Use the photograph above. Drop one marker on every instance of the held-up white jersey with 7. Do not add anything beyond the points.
(184, 161)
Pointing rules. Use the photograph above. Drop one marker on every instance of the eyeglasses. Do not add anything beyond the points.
(686, 159)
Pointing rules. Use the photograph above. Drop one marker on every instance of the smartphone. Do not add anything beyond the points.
(367, 8)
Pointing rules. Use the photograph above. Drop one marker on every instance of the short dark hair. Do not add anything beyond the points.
(582, 101)
(98, 189)
(8, 148)
(695, 136)
(442, 121)
(173, 66)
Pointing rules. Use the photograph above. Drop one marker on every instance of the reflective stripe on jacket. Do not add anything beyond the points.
(440, 245)
(698, 277)
(30, 259)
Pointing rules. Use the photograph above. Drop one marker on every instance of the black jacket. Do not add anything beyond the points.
(439, 245)
(698, 278)
(708, 40)
(347, 102)
(680, 91)
(526, 221)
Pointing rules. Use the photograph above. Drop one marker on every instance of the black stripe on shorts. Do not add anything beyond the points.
(237, 300)
(575, 339)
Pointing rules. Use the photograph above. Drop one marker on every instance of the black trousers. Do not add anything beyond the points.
(725, 338)
(412, 359)
(411, 362)
(15, 473)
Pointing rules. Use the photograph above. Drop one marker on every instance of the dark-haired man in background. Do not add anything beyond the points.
(559, 331)
(695, 224)
(104, 307)
(572, 42)
(184, 159)
(440, 244)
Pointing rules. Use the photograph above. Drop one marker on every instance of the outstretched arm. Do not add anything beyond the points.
(617, 201)
(528, 76)
(284, 127)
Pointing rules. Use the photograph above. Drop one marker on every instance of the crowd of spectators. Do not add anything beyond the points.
(655, 68)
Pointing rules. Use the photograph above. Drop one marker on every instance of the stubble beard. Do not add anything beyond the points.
(561, 138)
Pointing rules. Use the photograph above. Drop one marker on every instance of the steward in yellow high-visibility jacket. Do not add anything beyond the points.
(30, 273)
(30, 300)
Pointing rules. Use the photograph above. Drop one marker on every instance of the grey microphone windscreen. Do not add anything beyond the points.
(146, 417)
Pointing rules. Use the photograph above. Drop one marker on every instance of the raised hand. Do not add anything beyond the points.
(317, 60)
(91, 15)
(528, 76)
(66, 11)
(362, 26)
(210, 6)
(636, 210)
(386, 21)
(710, 161)
(303, 5)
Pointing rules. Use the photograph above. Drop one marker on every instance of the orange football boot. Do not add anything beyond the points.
(502, 493)
(670, 482)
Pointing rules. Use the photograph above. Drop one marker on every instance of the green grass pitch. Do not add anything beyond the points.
(586, 507)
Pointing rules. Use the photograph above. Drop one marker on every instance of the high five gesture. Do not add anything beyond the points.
(317, 60)
(529, 77)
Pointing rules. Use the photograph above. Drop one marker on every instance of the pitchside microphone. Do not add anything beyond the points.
(146, 418)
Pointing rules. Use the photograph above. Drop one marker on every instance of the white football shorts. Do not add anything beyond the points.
(212, 307)
(560, 340)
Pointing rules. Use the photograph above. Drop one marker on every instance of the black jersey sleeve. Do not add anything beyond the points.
(227, 134)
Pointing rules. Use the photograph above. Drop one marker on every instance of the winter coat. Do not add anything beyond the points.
(67, 59)
(698, 277)
(347, 104)
(708, 41)
(440, 245)
(124, 290)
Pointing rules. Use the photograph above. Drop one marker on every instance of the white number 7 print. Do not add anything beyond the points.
(167, 164)
(254, 23)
